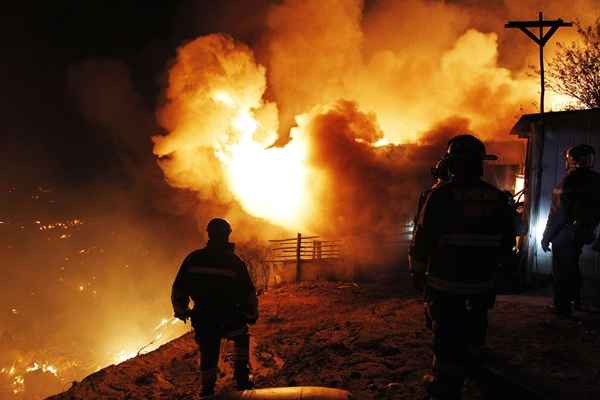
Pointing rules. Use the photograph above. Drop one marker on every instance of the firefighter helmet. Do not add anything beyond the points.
(580, 156)
(218, 227)
(467, 147)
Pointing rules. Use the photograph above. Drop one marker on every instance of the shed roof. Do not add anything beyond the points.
(525, 124)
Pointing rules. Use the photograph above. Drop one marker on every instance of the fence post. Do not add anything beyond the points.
(298, 258)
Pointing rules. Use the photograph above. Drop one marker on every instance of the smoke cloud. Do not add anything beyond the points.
(360, 102)
(386, 60)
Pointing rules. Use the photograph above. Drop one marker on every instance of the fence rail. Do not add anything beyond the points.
(304, 248)
(314, 248)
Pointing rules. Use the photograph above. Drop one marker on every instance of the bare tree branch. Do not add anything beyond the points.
(575, 69)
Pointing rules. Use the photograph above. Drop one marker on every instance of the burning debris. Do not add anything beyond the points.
(17, 375)
(59, 225)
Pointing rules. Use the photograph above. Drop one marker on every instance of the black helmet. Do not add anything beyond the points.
(218, 228)
(440, 170)
(467, 147)
(580, 156)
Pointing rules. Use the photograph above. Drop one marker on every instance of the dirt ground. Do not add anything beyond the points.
(369, 339)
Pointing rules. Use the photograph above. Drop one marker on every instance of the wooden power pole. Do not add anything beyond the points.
(541, 39)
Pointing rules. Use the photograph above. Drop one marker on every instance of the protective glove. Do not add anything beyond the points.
(545, 245)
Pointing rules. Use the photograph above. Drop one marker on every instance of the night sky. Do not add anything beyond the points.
(45, 137)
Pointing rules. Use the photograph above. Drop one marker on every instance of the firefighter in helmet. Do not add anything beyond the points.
(574, 215)
(225, 303)
(464, 232)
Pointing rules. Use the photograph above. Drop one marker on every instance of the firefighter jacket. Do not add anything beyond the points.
(218, 282)
(464, 231)
(576, 205)
(423, 199)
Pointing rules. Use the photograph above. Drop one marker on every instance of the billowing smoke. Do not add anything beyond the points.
(413, 76)
(334, 135)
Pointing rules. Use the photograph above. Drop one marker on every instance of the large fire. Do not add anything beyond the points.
(269, 182)
(224, 139)
(224, 132)
(269, 139)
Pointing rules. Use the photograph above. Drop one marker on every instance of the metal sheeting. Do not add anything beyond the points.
(562, 130)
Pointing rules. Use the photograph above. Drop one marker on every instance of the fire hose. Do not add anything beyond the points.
(289, 393)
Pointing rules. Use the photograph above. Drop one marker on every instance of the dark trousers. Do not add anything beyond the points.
(566, 273)
(459, 326)
(209, 342)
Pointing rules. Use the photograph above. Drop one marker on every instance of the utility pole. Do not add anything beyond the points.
(541, 39)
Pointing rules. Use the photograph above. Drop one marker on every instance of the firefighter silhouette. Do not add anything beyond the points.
(464, 231)
(573, 217)
(225, 303)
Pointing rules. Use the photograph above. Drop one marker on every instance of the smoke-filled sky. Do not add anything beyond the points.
(49, 46)
(126, 116)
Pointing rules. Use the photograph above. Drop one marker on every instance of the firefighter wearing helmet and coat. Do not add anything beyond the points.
(225, 303)
(463, 233)
(573, 217)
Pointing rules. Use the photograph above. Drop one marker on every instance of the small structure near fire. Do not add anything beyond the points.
(544, 168)
(306, 258)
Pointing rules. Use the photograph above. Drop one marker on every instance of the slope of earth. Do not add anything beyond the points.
(368, 339)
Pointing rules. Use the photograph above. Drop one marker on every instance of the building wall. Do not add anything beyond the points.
(562, 131)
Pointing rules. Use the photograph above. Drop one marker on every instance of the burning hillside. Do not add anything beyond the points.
(92, 302)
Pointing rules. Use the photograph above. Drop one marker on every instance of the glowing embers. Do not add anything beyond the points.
(43, 367)
(18, 376)
(59, 225)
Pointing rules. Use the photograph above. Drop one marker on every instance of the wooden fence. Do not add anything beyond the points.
(304, 248)
(315, 249)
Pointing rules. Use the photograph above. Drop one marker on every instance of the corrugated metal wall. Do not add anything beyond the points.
(562, 131)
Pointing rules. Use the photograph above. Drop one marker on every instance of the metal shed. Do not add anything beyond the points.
(544, 168)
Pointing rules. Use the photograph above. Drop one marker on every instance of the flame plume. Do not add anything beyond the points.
(346, 92)
(221, 130)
